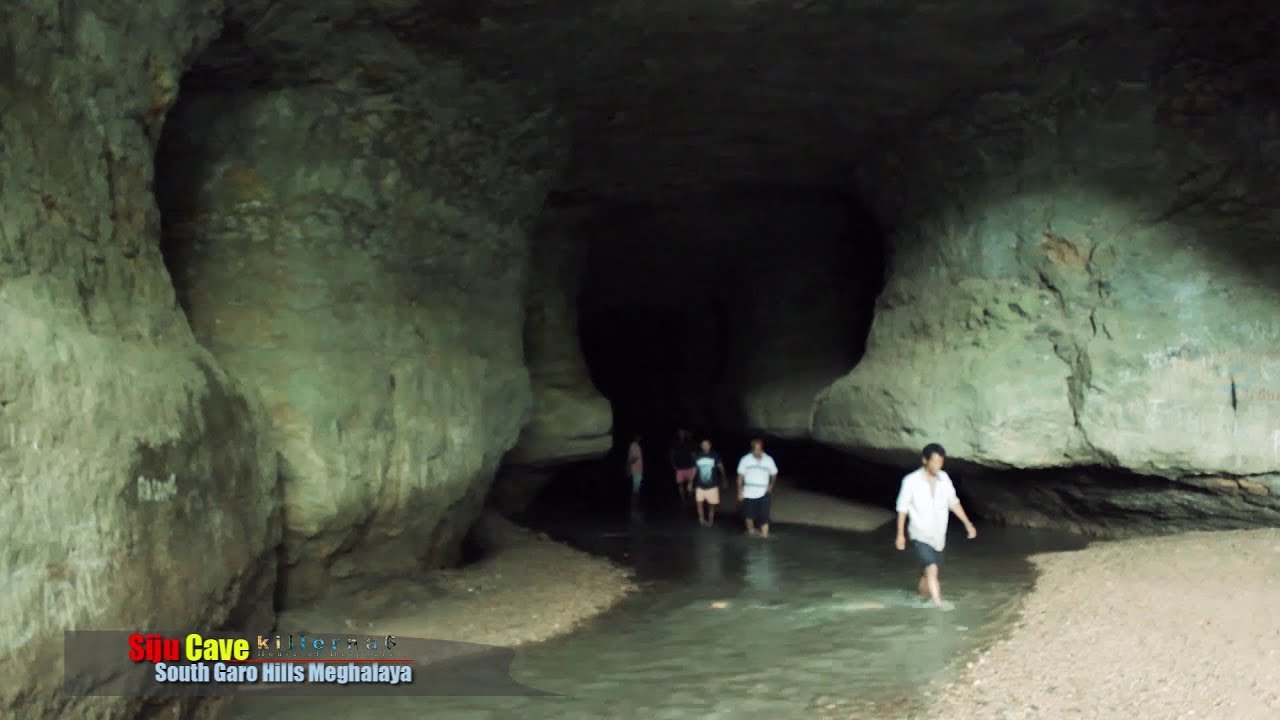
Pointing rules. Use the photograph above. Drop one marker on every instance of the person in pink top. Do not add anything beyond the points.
(635, 465)
(682, 453)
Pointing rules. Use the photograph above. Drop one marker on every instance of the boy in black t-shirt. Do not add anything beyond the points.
(710, 477)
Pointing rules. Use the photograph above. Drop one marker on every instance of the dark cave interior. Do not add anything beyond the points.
(676, 300)
(667, 305)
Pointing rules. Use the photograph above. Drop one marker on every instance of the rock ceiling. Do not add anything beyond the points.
(667, 97)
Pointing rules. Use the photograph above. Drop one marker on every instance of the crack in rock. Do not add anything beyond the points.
(1070, 348)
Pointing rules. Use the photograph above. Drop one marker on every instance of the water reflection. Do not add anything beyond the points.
(760, 572)
(709, 550)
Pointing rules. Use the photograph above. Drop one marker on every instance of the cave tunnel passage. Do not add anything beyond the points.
(576, 489)
(687, 310)
(693, 311)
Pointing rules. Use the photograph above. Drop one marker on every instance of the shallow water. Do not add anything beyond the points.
(732, 626)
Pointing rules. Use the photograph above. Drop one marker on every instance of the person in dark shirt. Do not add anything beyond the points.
(682, 463)
(710, 477)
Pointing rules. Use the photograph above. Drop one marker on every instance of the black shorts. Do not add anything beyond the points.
(927, 555)
(758, 509)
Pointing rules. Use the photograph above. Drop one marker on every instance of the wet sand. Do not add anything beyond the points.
(793, 506)
(1140, 629)
(527, 588)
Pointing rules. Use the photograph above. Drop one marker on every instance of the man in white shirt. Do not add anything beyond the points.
(757, 474)
(926, 499)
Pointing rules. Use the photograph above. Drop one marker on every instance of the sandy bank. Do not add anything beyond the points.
(527, 588)
(794, 506)
(1141, 629)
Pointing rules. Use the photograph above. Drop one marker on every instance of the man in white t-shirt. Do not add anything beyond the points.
(924, 505)
(757, 474)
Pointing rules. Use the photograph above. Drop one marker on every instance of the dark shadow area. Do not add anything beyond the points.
(1215, 68)
(591, 487)
(1215, 87)
(179, 164)
(1107, 501)
(1220, 77)
(685, 308)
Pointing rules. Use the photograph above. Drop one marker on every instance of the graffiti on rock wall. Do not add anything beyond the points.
(1216, 423)
(157, 490)
(63, 586)
(1259, 331)
(1245, 375)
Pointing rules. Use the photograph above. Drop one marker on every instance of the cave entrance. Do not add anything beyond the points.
(717, 313)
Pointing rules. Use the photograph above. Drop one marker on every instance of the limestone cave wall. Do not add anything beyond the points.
(571, 420)
(357, 252)
(1106, 300)
(133, 465)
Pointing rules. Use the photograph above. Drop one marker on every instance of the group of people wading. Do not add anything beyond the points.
(700, 475)
(926, 499)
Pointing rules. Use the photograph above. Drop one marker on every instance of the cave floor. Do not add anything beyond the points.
(1148, 628)
(808, 622)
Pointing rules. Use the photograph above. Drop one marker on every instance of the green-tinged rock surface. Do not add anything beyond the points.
(137, 487)
(1107, 303)
(359, 257)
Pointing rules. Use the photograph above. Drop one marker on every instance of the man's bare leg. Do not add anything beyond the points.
(764, 530)
(922, 588)
(935, 587)
(751, 527)
(701, 519)
(711, 514)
